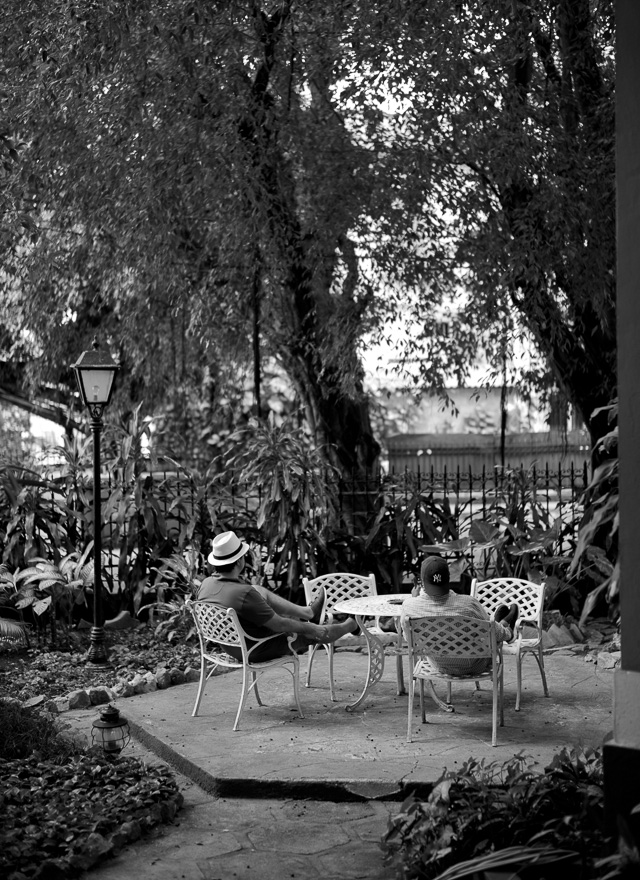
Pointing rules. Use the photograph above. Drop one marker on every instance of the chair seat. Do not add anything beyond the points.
(426, 668)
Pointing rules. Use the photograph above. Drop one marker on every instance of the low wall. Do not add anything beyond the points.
(474, 452)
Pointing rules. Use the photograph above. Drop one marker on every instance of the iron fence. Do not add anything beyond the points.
(461, 496)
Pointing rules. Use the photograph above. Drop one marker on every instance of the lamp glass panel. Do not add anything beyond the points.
(112, 739)
(96, 385)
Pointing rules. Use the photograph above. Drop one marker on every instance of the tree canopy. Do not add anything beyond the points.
(200, 182)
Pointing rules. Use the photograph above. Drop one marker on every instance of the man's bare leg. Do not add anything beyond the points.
(283, 607)
(326, 634)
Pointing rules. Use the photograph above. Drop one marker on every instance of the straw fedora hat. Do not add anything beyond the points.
(227, 549)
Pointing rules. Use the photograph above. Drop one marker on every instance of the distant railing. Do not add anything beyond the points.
(468, 496)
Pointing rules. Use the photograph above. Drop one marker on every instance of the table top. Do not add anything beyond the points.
(372, 606)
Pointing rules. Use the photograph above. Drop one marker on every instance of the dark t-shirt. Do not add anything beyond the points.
(252, 608)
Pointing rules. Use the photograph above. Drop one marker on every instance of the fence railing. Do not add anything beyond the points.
(407, 510)
(462, 497)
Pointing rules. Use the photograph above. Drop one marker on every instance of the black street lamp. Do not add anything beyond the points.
(95, 371)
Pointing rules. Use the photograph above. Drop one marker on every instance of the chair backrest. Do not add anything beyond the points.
(451, 636)
(217, 623)
(340, 585)
(506, 590)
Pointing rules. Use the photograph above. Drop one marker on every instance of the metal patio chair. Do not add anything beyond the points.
(219, 628)
(337, 586)
(450, 639)
(530, 600)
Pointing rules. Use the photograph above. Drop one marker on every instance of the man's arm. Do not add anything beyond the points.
(503, 633)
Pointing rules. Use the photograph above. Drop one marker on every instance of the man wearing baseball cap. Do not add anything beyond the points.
(437, 600)
(261, 612)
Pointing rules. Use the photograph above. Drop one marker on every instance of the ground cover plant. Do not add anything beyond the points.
(65, 806)
(491, 820)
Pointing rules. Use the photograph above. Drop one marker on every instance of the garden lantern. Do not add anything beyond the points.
(95, 371)
(110, 731)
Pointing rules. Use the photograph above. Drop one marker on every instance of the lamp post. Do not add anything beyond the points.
(95, 371)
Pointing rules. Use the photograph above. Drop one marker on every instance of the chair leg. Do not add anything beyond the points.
(423, 714)
(332, 693)
(449, 701)
(446, 707)
(295, 672)
(518, 679)
(410, 712)
(501, 695)
(494, 715)
(311, 651)
(540, 658)
(203, 679)
(254, 685)
(399, 667)
(243, 697)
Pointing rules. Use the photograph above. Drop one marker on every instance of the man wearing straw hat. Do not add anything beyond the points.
(261, 612)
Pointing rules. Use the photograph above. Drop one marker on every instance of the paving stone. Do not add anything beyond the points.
(79, 700)
(124, 689)
(163, 678)
(608, 659)
(560, 635)
(576, 632)
(100, 695)
(33, 702)
(138, 684)
(299, 837)
(177, 676)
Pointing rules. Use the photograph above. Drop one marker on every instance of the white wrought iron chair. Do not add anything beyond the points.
(337, 586)
(450, 639)
(219, 628)
(530, 600)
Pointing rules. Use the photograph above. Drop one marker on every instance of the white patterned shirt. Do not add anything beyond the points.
(453, 605)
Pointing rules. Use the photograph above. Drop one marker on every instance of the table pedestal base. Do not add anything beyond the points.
(375, 666)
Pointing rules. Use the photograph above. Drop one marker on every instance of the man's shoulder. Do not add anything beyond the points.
(220, 589)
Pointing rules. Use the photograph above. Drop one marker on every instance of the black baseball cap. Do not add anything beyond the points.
(435, 572)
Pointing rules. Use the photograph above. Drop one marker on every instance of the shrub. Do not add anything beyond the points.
(24, 731)
(490, 815)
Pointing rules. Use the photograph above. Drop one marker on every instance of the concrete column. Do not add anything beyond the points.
(622, 753)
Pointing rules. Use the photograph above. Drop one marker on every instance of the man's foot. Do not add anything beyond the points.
(334, 631)
(316, 606)
(507, 615)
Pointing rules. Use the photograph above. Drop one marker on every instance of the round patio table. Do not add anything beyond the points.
(375, 606)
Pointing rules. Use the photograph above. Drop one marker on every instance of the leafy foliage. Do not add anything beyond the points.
(297, 501)
(35, 517)
(54, 589)
(487, 815)
(60, 819)
(24, 731)
(596, 553)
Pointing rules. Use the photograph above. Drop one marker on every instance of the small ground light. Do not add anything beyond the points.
(110, 731)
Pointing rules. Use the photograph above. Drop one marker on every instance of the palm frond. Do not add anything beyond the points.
(508, 857)
(13, 631)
